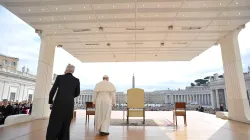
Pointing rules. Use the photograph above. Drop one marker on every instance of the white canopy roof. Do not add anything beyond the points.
(133, 30)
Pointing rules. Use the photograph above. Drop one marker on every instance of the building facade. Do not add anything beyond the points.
(16, 85)
(218, 90)
(211, 95)
(87, 96)
(7, 62)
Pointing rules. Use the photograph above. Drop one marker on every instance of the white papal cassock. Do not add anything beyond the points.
(104, 97)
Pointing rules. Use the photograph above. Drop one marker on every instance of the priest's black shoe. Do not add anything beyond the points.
(104, 133)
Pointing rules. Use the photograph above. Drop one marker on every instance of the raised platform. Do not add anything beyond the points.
(222, 115)
(200, 126)
(16, 119)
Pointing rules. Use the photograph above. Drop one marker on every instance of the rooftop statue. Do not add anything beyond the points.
(23, 69)
(211, 78)
(27, 71)
(216, 76)
(248, 69)
(54, 77)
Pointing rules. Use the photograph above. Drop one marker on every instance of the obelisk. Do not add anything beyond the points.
(133, 81)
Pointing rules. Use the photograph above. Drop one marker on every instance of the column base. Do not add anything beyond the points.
(40, 108)
(222, 115)
(238, 112)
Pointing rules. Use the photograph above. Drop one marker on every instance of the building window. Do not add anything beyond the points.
(14, 63)
(12, 96)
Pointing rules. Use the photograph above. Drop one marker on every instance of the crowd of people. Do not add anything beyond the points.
(165, 107)
(8, 108)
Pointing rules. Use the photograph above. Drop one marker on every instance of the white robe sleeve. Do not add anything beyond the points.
(95, 94)
(113, 96)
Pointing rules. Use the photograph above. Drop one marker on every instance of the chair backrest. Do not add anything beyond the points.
(135, 98)
(89, 105)
(180, 105)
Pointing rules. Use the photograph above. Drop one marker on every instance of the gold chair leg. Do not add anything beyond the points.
(185, 120)
(127, 116)
(143, 115)
(86, 119)
(175, 120)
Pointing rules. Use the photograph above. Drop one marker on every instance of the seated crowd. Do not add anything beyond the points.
(8, 108)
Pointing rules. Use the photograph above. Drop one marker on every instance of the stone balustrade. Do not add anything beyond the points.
(16, 72)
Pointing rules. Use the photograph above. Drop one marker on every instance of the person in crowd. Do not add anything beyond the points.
(1, 104)
(200, 108)
(30, 109)
(222, 107)
(103, 99)
(6, 110)
(15, 108)
(67, 87)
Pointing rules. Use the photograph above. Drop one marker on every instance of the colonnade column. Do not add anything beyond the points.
(217, 98)
(40, 108)
(225, 94)
(172, 99)
(209, 100)
(238, 106)
(213, 103)
(205, 99)
(198, 98)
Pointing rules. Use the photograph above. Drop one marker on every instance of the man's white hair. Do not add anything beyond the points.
(105, 76)
(70, 68)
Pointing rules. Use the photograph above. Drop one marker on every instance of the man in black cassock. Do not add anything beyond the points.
(5, 111)
(67, 87)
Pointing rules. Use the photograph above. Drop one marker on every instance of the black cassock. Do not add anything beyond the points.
(67, 87)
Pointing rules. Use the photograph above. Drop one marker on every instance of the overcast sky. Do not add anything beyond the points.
(18, 39)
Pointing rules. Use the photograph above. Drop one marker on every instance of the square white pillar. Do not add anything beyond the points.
(238, 106)
(40, 108)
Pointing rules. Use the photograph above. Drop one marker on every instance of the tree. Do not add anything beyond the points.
(208, 77)
(200, 82)
(192, 84)
(221, 76)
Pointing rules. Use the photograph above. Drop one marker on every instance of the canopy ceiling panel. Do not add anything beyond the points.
(133, 30)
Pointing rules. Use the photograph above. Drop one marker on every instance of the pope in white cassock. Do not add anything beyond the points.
(103, 99)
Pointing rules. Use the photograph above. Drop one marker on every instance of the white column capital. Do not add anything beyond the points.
(45, 37)
(39, 32)
(235, 33)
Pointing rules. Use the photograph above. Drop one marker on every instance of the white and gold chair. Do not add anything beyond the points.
(135, 103)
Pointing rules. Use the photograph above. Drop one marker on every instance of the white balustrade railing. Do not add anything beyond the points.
(16, 72)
